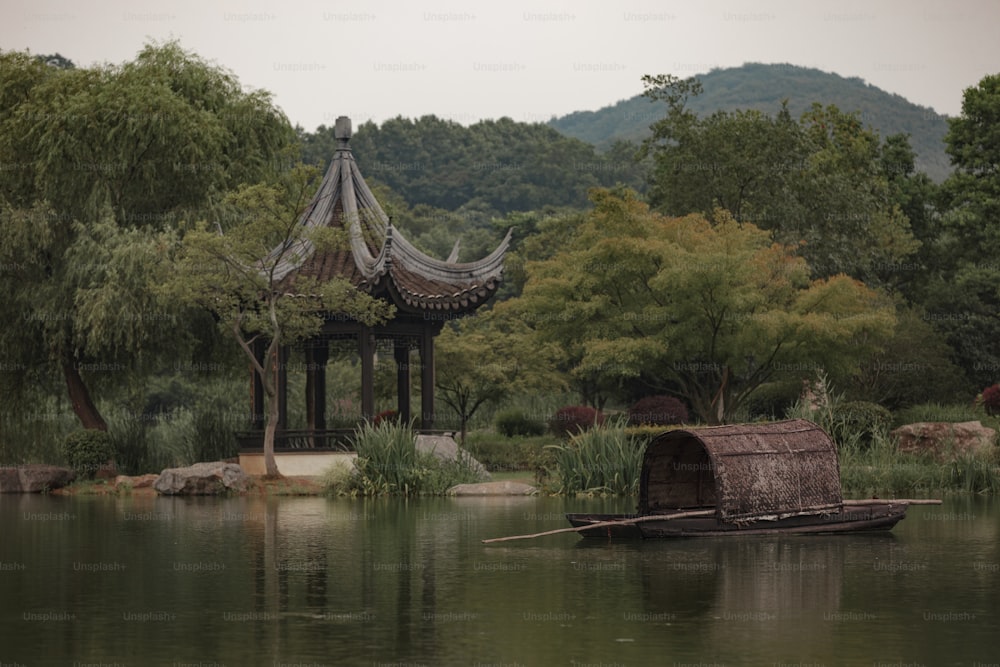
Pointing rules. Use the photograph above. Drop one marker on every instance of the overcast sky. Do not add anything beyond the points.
(526, 60)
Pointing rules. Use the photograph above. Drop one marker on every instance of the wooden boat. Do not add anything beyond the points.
(874, 515)
(782, 477)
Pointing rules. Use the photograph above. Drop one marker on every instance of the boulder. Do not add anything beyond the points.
(203, 479)
(445, 448)
(504, 488)
(945, 440)
(34, 478)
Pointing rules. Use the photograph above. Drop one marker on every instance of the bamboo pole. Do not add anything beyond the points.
(899, 501)
(606, 524)
(684, 515)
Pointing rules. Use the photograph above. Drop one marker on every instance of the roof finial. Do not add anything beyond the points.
(342, 132)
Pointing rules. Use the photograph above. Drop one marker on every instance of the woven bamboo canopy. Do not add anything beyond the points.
(745, 471)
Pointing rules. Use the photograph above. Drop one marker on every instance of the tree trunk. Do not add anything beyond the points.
(273, 408)
(79, 396)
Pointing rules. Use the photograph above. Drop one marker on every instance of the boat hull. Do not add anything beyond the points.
(857, 518)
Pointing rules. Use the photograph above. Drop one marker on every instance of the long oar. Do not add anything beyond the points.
(606, 524)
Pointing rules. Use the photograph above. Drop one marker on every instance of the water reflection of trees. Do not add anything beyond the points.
(750, 592)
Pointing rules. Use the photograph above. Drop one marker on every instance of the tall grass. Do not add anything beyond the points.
(389, 464)
(601, 460)
(881, 470)
(34, 433)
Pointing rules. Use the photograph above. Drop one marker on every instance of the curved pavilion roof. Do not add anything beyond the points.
(379, 259)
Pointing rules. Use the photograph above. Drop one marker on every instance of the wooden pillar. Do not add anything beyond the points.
(366, 348)
(401, 352)
(257, 418)
(427, 379)
(317, 354)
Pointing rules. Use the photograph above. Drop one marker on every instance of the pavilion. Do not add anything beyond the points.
(426, 292)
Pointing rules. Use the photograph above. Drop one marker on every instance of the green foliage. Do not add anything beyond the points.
(88, 452)
(602, 460)
(211, 436)
(707, 311)
(108, 159)
(389, 464)
(881, 470)
(515, 422)
(819, 185)
(484, 359)
(500, 165)
(860, 421)
(914, 366)
(503, 454)
(961, 295)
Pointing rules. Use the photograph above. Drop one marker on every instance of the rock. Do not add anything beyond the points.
(445, 448)
(34, 477)
(203, 479)
(504, 488)
(138, 482)
(945, 440)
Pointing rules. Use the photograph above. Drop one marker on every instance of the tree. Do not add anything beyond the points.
(914, 367)
(487, 358)
(962, 298)
(819, 184)
(709, 310)
(233, 271)
(116, 153)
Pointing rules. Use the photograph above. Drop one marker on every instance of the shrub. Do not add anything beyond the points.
(991, 400)
(88, 451)
(385, 416)
(859, 421)
(511, 423)
(573, 419)
(657, 411)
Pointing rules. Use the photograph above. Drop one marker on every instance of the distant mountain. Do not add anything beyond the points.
(763, 87)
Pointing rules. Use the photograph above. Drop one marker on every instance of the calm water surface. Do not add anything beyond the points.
(315, 581)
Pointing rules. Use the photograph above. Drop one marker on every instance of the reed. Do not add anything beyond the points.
(879, 469)
(389, 464)
(603, 460)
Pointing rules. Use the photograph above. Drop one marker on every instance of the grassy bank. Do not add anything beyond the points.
(876, 468)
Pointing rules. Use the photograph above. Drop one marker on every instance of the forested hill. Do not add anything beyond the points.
(499, 165)
(763, 87)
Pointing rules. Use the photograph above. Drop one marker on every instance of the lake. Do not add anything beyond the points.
(315, 581)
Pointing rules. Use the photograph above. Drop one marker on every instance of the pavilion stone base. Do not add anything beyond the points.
(298, 464)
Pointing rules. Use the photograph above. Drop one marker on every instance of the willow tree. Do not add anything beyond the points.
(98, 162)
(709, 310)
(233, 267)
